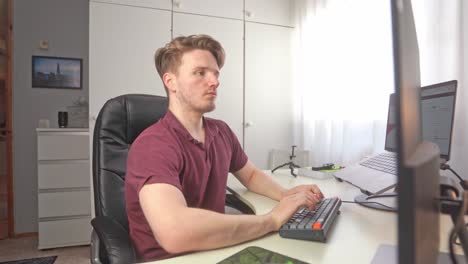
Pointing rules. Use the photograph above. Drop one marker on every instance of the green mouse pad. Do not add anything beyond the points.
(258, 255)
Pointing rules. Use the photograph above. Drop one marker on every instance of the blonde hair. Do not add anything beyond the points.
(168, 58)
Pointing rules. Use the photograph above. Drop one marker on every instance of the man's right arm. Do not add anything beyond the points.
(179, 228)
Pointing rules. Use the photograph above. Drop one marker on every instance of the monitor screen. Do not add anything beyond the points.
(437, 112)
(391, 131)
(418, 160)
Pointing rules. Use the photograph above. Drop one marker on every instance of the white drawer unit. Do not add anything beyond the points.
(63, 174)
(62, 146)
(61, 233)
(64, 199)
(64, 203)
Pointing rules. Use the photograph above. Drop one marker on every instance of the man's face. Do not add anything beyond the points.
(196, 83)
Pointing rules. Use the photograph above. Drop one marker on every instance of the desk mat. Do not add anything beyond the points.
(258, 255)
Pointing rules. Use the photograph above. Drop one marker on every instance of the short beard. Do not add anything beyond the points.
(199, 109)
(205, 109)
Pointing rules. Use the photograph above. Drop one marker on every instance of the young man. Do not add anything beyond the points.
(177, 168)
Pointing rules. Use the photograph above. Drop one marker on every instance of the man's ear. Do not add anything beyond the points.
(169, 81)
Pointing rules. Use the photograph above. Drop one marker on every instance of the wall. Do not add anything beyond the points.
(459, 140)
(459, 163)
(64, 23)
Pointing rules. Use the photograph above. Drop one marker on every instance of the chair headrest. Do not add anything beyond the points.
(124, 117)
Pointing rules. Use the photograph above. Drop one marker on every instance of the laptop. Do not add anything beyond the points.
(378, 173)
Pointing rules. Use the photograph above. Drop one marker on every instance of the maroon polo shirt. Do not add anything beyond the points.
(167, 153)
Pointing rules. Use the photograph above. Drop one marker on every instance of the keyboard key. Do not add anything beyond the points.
(317, 225)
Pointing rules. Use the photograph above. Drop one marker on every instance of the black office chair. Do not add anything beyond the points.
(119, 122)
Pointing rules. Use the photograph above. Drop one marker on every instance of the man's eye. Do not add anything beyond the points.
(200, 73)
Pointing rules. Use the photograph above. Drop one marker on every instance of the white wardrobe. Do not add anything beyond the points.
(255, 95)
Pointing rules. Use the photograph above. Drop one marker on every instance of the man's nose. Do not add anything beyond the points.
(213, 80)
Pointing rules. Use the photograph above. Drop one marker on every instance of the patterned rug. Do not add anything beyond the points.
(44, 260)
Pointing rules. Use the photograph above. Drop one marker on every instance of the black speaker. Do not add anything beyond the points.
(62, 119)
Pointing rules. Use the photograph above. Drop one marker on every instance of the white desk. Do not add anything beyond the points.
(357, 233)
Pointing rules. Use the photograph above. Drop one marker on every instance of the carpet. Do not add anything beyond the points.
(44, 260)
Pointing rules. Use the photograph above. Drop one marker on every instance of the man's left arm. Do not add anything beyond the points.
(259, 182)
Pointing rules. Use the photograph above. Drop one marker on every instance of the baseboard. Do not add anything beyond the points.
(20, 235)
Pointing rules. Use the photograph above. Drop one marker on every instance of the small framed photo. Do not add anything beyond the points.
(56, 72)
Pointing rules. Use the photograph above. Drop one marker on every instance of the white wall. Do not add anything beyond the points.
(64, 23)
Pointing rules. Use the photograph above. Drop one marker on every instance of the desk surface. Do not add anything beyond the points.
(357, 233)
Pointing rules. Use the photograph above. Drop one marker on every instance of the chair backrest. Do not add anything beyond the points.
(119, 122)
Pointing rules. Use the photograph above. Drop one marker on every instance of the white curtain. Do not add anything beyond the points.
(443, 46)
(344, 73)
(343, 77)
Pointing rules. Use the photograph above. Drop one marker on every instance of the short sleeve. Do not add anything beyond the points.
(153, 160)
(239, 158)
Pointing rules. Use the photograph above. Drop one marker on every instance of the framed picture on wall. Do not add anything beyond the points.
(56, 72)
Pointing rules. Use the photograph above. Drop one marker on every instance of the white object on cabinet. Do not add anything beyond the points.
(64, 206)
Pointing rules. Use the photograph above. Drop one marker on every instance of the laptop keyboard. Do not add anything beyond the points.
(386, 162)
(312, 225)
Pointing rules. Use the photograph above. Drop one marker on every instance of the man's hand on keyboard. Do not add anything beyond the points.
(292, 200)
(312, 188)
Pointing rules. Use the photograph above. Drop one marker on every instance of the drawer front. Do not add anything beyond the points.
(62, 146)
(66, 174)
(64, 232)
(57, 204)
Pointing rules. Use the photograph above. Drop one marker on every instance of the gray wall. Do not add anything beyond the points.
(64, 23)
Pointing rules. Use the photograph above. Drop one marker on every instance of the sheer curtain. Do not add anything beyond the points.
(343, 77)
(343, 73)
(441, 27)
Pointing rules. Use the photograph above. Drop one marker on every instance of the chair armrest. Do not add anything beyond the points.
(233, 201)
(115, 240)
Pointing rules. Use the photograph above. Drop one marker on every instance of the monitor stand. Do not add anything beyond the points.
(383, 201)
(388, 201)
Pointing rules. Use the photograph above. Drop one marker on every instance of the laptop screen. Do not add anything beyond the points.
(437, 112)
(391, 133)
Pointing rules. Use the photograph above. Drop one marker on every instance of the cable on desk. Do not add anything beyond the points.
(447, 167)
(463, 182)
(455, 237)
(459, 223)
(450, 199)
(457, 242)
(453, 233)
(381, 204)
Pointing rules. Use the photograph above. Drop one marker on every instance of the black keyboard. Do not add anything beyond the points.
(312, 225)
(385, 162)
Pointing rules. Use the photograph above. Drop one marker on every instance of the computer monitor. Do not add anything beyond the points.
(418, 160)
(437, 113)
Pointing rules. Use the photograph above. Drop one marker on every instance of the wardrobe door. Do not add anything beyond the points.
(268, 91)
(229, 104)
